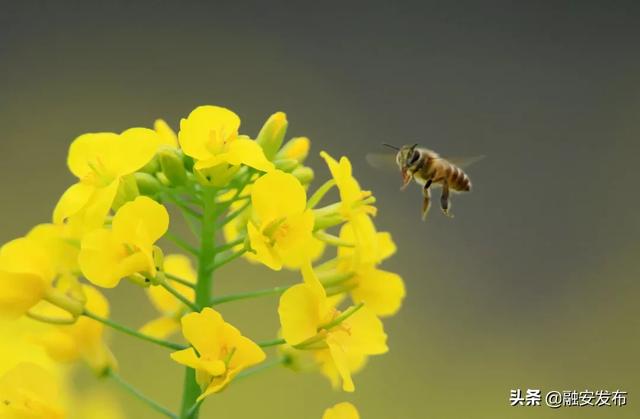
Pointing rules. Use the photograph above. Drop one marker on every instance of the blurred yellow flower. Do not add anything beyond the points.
(101, 161)
(29, 391)
(58, 242)
(210, 135)
(26, 273)
(83, 339)
(281, 227)
(167, 304)
(353, 208)
(344, 410)
(107, 256)
(309, 321)
(222, 352)
(382, 291)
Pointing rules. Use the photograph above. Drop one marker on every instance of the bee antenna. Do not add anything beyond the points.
(391, 146)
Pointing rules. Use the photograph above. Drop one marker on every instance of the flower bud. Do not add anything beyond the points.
(303, 174)
(272, 134)
(296, 148)
(286, 165)
(147, 184)
(172, 166)
(128, 191)
(152, 167)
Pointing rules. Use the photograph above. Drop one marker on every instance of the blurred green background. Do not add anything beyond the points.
(534, 283)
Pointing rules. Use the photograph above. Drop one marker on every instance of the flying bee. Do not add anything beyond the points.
(429, 169)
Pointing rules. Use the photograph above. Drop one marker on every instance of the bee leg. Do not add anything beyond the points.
(445, 203)
(406, 179)
(426, 200)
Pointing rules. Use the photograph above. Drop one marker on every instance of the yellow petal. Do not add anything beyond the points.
(187, 357)
(104, 260)
(247, 152)
(342, 410)
(72, 201)
(295, 233)
(29, 391)
(88, 152)
(19, 293)
(381, 291)
(141, 222)
(160, 328)
(366, 333)
(167, 135)
(204, 132)
(26, 255)
(276, 195)
(349, 188)
(59, 346)
(299, 312)
(342, 364)
(203, 330)
(135, 148)
(264, 251)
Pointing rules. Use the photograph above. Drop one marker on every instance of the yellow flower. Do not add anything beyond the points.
(222, 352)
(26, 273)
(381, 290)
(281, 228)
(309, 321)
(101, 161)
(352, 207)
(107, 256)
(57, 240)
(29, 391)
(344, 410)
(82, 339)
(167, 304)
(210, 136)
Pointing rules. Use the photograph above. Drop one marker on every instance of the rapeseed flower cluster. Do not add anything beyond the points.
(242, 198)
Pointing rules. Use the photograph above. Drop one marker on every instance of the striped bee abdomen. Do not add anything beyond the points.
(458, 180)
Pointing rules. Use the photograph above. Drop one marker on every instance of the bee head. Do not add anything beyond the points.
(407, 156)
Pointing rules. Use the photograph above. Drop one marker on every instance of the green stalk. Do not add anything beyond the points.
(137, 394)
(206, 256)
(131, 332)
(249, 294)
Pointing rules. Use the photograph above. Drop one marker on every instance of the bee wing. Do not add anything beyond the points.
(382, 161)
(463, 162)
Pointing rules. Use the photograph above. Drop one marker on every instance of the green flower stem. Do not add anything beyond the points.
(228, 259)
(186, 208)
(260, 368)
(184, 300)
(179, 280)
(247, 295)
(332, 279)
(233, 214)
(51, 320)
(332, 240)
(274, 342)
(206, 256)
(320, 193)
(137, 394)
(131, 332)
(230, 245)
(181, 243)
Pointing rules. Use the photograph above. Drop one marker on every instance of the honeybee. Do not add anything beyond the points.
(429, 169)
